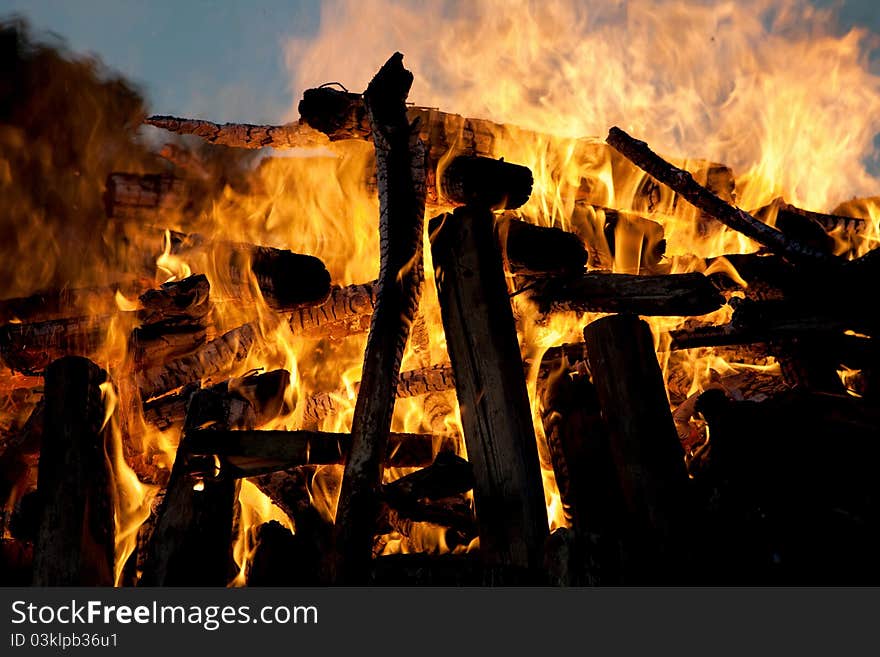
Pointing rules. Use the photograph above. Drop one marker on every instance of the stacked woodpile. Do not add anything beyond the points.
(754, 478)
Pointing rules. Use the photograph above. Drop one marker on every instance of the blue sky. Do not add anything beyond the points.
(222, 59)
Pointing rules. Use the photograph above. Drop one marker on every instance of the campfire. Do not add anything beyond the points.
(389, 344)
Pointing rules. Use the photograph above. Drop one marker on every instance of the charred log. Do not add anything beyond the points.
(483, 181)
(191, 542)
(530, 249)
(75, 544)
(250, 453)
(485, 355)
(684, 184)
(212, 359)
(644, 442)
(672, 294)
(400, 165)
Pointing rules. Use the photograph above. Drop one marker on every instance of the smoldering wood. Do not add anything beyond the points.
(191, 543)
(401, 169)
(486, 182)
(670, 294)
(250, 453)
(215, 357)
(644, 442)
(491, 390)
(75, 544)
(684, 184)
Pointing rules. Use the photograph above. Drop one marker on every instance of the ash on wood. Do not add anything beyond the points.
(191, 544)
(500, 185)
(29, 348)
(75, 543)
(644, 442)
(491, 389)
(400, 166)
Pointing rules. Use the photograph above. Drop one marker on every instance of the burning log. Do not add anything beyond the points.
(67, 302)
(191, 542)
(75, 544)
(671, 294)
(490, 385)
(265, 393)
(483, 181)
(643, 438)
(29, 348)
(242, 135)
(287, 280)
(174, 320)
(530, 249)
(214, 357)
(147, 196)
(684, 184)
(345, 312)
(448, 475)
(608, 232)
(580, 452)
(412, 383)
(251, 453)
(400, 164)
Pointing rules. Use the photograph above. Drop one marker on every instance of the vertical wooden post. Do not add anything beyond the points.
(644, 443)
(75, 544)
(400, 171)
(577, 439)
(489, 381)
(191, 544)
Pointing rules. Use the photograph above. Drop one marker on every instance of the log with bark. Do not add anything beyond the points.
(75, 544)
(400, 165)
(684, 184)
(191, 542)
(644, 444)
(251, 453)
(490, 384)
(670, 294)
